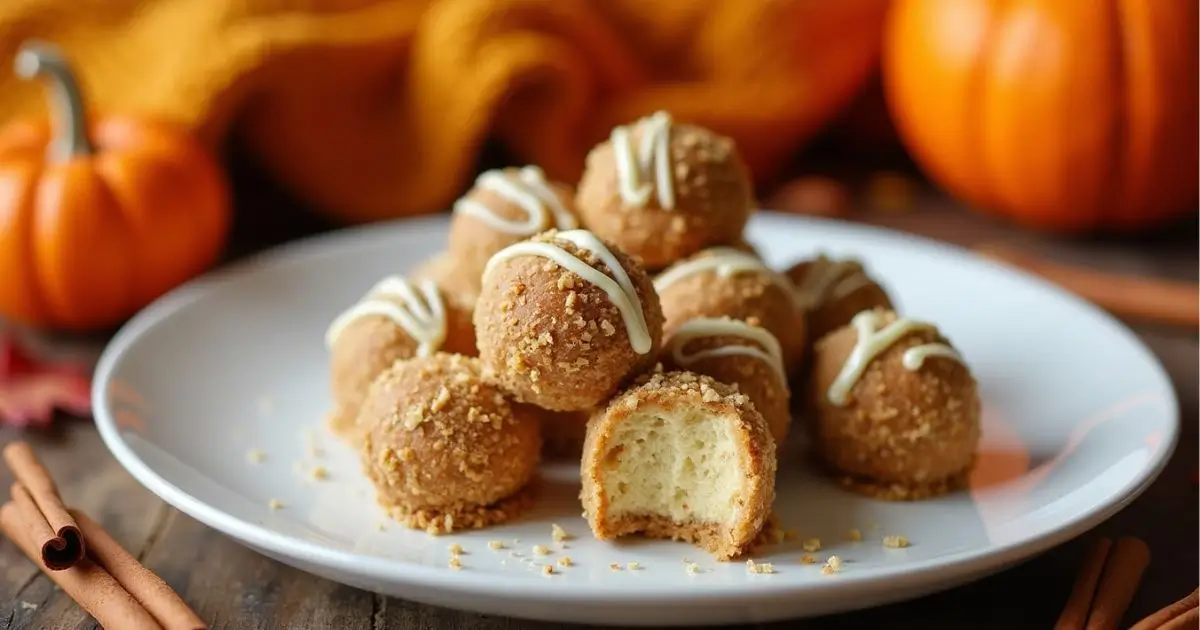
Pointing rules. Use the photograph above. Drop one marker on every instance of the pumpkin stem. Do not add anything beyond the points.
(38, 59)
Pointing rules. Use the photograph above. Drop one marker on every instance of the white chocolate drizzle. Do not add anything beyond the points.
(870, 343)
(654, 154)
(768, 349)
(421, 314)
(725, 261)
(620, 291)
(527, 189)
(831, 279)
(915, 356)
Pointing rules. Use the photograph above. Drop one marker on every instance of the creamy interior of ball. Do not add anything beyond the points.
(681, 464)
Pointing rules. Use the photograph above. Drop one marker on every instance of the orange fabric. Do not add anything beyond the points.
(377, 108)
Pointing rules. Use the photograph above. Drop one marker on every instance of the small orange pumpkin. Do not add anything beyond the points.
(1059, 114)
(95, 222)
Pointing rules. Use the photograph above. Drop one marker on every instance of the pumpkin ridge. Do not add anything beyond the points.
(991, 200)
(19, 239)
(1118, 177)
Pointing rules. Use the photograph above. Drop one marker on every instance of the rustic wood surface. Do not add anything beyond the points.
(233, 587)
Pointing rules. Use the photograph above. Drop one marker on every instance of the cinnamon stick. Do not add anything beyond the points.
(1127, 296)
(1121, 578)
(147, 588)
(1075, 614)
(1177, 613)
(87, 583)
(51, 528)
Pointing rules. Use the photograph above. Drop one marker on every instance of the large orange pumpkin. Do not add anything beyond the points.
(1070, 115)
(97, 222)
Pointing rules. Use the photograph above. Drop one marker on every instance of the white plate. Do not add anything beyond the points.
(1079, 418)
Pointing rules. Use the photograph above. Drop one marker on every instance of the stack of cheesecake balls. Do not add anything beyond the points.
(627, 324)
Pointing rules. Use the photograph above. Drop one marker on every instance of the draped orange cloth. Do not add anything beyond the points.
(370, 109)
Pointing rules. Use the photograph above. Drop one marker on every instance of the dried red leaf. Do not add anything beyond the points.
(32, 389)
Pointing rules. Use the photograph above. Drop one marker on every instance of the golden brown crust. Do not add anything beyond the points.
(909, 432)
(750, 296)
(672, 390)
(750, 375)
(472, 242)
(832, 307)
(440, 440)
(371, 344)
(556, 340)
(714, 197)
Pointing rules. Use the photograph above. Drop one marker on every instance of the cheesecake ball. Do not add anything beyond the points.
(564, 319)
(444, 449)
(506, 206)
(661, 191)
(725, 282)
(459, 284)
(831, 292)
(897, 411)
(736, 353)
(396, 319)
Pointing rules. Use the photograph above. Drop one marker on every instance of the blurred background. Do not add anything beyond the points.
(238, 125)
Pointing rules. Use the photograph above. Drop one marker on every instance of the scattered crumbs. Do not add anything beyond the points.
(854, 535)
(564, 561)
(790, 534)
(616, 566)
(275, 504)
(455, 563)
(515, 554)
(812, 544)
(634, 566)
(808, 559)
(495, 545)
(547, 569)
(320, 473)
(895, 542)
(256, 456)
(832, 565)
(541, 550)
(759, 568)
(455, 549)
(28, 605)
(691, 567)
(558, 533)
(379, 526)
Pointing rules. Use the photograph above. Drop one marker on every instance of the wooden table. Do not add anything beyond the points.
(233, 587)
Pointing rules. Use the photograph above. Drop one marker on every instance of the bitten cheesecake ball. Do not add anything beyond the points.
(396, 319)
(444, 449)
(831, 292)
(663, 191)
(683, 457)
(897, 409)
(736, 353)
(564, 319)
(504, 207)
(725, 282)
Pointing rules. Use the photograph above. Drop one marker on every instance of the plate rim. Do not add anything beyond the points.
(418, 576)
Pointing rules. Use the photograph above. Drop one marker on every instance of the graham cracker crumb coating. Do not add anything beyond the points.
(445, 449)
(555, 340)
(714, 197)
(903, 434)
